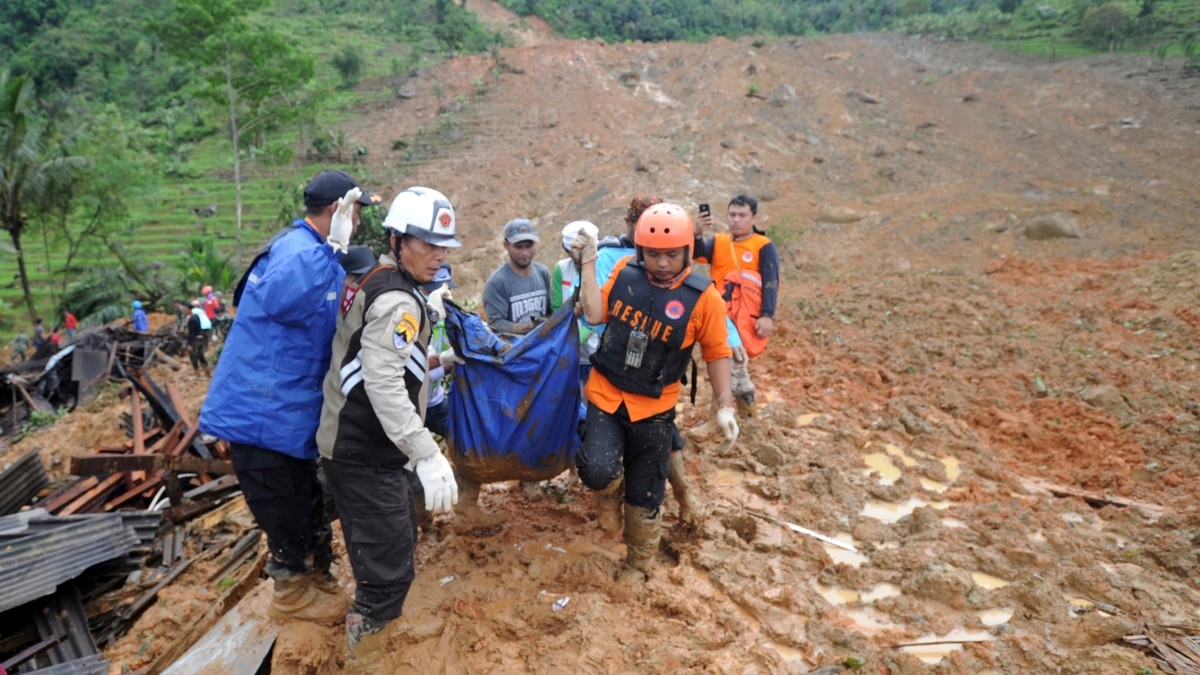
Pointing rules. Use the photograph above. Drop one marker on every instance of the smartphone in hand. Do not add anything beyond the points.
(704, 210)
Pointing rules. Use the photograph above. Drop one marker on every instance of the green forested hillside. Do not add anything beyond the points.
(117, 114)
(1132, 22)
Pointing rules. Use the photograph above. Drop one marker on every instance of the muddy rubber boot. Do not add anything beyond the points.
(746, 406)
(366, 643)
(468, 515)
(643, 530)
(609, 503)
(689, 513)
(308, 597)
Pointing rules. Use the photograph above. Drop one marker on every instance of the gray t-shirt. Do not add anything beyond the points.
(509, 298)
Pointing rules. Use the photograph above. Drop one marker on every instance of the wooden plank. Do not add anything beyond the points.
(223, 483)
(83, 503)
(102, 465)
(247, 579)
(32, 651)
(177, 403)
(166, 444)
(60, 498)
(139, 439)
(40, 404)
(1093, 498)
(187, 440)
(238, 643)
(140, 489)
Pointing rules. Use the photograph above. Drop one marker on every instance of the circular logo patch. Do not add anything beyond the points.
(747, 256)
(674, 309)
(445, 219)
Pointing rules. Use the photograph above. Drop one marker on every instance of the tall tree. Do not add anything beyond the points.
(250, 68)
(93, 206)
(29, 168)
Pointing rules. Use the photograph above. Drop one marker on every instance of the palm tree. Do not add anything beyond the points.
(27, 177)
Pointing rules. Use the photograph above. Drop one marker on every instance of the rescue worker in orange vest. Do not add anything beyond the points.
(655, 308)
(743, 249)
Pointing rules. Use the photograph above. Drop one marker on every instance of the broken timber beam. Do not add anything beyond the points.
(99, 465)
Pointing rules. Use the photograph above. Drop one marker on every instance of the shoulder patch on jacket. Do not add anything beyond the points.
(406, 331)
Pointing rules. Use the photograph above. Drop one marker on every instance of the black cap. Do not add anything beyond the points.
(357, 260)
(443, 276)
(331, 185)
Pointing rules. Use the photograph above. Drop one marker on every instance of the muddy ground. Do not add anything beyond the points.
(1004, 426)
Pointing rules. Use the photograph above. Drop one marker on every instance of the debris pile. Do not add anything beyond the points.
(80, 560)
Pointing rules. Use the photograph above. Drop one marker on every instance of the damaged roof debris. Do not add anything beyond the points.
(81, 559)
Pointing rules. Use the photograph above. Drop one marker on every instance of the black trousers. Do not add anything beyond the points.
(286, 499)
(379, 523)
(196, 350)
(613, 445)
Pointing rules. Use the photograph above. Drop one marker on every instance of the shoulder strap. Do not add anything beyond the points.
(348, 296)
(733, 254)
(698, 281)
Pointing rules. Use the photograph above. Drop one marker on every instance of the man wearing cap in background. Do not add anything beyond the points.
(516, 297)
(265, 397)
(356, 261)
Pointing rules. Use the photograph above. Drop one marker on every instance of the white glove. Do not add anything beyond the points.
(342, 224)
(437, 478)
(739, 355)
(436, 299)
(583, 249)
(727, 423)
(449, 358)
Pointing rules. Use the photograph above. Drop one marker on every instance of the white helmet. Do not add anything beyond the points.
(424, 213)
(575, 227)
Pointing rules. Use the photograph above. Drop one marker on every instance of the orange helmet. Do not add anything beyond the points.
(664, 226)
(206, 290)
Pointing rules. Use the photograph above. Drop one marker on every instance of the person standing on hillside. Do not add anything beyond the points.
(20, 347)
(655, 308)
(141, 323)
(210, 301)
(70, 323)
(39, 334)
(745, 263)
(372, 433)
(265, 396)
(198, 327)
(516, 297)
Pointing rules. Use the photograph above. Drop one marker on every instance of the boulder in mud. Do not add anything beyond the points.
(840, 214)
(1052, 225)
(1107, 398)
(783, 95)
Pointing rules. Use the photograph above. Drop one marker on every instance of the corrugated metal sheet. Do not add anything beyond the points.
(146, 525)
(39, 551)
(63, 614)
(237, 644)
(91, 665)
(20, 481)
